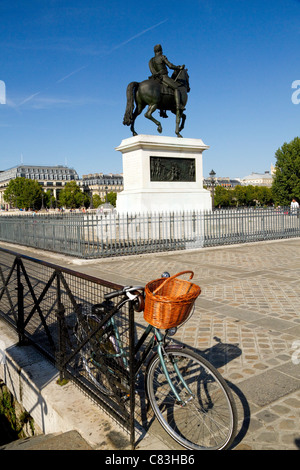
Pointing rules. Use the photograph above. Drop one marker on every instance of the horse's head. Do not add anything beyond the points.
(183, 77)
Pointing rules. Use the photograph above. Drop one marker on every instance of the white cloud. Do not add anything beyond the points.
(47, 102)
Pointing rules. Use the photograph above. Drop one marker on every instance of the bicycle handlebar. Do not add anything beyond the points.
(123, 291)
(113, 294)
(128, 289)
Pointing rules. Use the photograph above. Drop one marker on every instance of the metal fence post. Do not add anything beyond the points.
(60, 312)
(20, 294)
(132, 375)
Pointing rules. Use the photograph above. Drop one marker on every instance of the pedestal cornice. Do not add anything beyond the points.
(143, 141)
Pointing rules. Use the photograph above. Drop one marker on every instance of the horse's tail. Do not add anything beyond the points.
(130, 93)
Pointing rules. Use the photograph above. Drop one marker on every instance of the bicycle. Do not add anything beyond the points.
(189, 397)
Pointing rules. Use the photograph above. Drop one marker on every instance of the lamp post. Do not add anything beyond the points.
(43, 207)
(212, 175)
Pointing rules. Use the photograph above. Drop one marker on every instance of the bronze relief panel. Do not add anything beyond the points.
(172, 169)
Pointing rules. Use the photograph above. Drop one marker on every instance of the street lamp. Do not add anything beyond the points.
(212, 175)
(43, 207)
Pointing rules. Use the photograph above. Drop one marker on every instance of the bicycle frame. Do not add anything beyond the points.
(172, 371)
(158, 341)
(117, 343)
(161, 352)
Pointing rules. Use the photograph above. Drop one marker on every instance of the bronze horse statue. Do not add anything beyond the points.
(153, 93)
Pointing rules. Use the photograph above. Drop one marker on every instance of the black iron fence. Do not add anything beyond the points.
(96, 235)
(45, 304)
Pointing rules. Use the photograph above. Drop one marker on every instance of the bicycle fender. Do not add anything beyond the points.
(175, 346)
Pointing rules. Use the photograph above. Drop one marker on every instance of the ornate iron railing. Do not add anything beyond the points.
(44, 303)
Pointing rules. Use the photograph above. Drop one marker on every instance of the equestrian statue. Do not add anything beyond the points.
(159, 92)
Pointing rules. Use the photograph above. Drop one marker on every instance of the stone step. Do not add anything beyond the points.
(70, 440)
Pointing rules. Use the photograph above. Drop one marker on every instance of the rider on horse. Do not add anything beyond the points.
(159, 92)
(158, 67)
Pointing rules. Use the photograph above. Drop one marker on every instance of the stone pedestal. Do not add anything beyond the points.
(162, 174)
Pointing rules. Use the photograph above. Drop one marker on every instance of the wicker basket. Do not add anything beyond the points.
(168, 302)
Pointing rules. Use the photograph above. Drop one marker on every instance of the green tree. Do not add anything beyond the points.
(23, 193)
(97, 200)
(72, 197)
(264, 195)
(239, 195)
(251, 195)
(243, 196)
(286, 183)
(49, 199)
(112, 198)
(223, 197)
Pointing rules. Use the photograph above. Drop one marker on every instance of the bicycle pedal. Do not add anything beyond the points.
(125, 397)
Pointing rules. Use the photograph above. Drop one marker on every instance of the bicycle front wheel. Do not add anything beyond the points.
(205, 417)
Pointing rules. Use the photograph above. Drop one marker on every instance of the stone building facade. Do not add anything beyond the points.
(51, 178)
(101, 184)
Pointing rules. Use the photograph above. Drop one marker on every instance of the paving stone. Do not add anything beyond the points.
(266, 416)
(250, 301)
(268, 386)
(71, 440)
(292, 402)
(287, 424)
(268, 437)
(280, 410)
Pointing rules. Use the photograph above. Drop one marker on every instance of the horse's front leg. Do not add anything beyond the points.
(148, 115)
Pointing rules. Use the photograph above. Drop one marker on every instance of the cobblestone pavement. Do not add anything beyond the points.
(246, 322)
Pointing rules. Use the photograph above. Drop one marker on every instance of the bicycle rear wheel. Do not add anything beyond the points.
(206, 418)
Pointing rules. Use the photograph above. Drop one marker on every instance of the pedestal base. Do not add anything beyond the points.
(143, 201)
(162, 174)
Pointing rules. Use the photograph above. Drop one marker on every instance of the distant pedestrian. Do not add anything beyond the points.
(294, 207)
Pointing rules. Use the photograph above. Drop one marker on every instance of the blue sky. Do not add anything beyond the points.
(66, 66)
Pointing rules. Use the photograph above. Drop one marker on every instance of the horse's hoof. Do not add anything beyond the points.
(179, 135)
(159, 129)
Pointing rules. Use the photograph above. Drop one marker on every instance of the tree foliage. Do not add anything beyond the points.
(97, 201)
(72, 197)
(223, 197)
(286, 184)
(111, 198)
(243, 196)
(23, 193)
